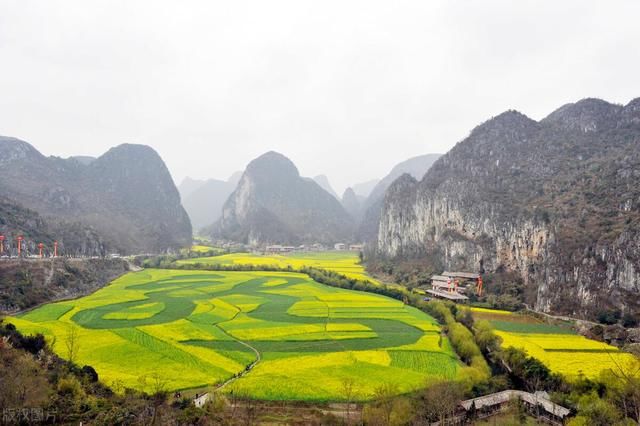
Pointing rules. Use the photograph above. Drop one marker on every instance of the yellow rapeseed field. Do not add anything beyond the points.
(197, 329)
(558, 347)
(346, 263)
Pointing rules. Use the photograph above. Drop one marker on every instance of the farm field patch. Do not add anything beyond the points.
(197, 329)
(557, 346)
(346, 263)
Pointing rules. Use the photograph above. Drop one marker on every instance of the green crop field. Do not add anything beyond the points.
(557, 346)
(194, 329)
(346, 263)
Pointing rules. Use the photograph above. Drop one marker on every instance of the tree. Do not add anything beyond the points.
(158, 393)
(90, 373)
(486, 339)
(23, 384)
(623, 386)
(72, 343)
(383, 396)
(348, 391)
(438, 401)
(465, 317)
(250, 411)
(594, 411)
(387, 409)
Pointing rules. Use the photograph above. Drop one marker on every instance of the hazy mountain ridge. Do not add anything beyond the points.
(556, 201)
(364, 189)
(125, 200)
(188, 185)
(274, 204)
(324, 183)
(371, 208)
(352, 203)
(203, 200)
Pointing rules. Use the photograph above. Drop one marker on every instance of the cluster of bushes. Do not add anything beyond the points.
(461, 337)
(31, 344)
(167, 260)
(235, 267)
(335, 279)
(615, 316)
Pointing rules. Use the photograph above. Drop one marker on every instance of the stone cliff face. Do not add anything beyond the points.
(557, 202)
(274, 204)
(370, 209)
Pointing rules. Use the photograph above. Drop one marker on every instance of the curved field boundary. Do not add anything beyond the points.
(206, 328)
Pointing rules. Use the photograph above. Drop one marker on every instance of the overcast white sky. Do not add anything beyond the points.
(343, 88)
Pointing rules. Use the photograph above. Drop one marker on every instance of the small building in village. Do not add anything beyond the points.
(200, 400)
(276, 248)
(536, 404)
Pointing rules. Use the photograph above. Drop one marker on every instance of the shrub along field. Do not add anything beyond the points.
(346, 263)
(558, 347)
(178, 329)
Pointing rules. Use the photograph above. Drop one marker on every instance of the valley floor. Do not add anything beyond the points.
(301, 340)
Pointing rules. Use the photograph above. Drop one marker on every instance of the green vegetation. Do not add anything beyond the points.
(461, 339)
(200, 328)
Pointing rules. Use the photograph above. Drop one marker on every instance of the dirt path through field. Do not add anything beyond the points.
(249, 367)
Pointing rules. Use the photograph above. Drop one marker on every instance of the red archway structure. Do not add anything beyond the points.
(20, 238)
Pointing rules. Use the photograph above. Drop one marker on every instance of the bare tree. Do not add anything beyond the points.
(158, 384)
(233, 400)
(72, 343)
(250, 411)
(623, 384)
(384, 396)
(348, 390)
(438, 401)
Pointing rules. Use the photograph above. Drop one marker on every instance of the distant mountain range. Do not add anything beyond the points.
(203, 199)
(323, 181)
(124, 201)
(555, 203)
(274, 204)
(352, 203)
(364, 189)
(369, 219)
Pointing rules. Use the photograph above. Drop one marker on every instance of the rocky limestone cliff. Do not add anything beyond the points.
(556, 201)
(370, 209)
(274, 204)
